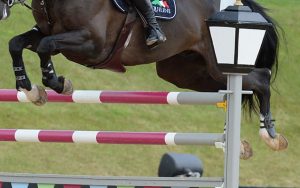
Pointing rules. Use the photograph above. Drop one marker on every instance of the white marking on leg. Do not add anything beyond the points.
(262, 119)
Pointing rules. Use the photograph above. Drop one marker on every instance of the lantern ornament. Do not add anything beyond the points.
(237, 34)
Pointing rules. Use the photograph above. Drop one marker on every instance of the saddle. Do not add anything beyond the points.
(163, 9)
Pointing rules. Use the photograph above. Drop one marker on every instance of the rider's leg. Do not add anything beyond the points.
(154, 32)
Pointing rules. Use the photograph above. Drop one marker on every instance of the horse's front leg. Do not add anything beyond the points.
(76, 42)
(28, 40)
(50, 79)
(259, 81)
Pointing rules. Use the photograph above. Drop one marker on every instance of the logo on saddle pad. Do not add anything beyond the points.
(163, 9)
(161, 6)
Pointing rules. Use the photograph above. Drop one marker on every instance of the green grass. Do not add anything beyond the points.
(265, 168)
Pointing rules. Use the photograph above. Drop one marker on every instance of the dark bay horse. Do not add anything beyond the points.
(86, 31)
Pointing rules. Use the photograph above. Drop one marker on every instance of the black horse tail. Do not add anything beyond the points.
(268, 56)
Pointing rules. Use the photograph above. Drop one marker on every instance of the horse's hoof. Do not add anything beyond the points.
(68, 87)
(246, 150)
(37, 95)
(277, 144)
(283, 142)
(42, 97)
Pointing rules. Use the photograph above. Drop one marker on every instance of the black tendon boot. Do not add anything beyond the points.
(154, 33)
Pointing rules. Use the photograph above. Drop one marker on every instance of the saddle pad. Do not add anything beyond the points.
(164, 9)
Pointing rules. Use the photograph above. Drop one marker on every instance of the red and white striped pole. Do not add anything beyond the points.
(108, 137)
(126, 97)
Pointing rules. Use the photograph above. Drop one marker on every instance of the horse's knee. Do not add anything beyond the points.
(16, 45)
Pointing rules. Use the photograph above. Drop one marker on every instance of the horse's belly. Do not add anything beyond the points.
(79, 58)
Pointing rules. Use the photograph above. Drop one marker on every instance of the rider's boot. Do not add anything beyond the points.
(154, 33)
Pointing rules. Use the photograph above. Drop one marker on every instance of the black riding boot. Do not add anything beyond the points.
(154, 33)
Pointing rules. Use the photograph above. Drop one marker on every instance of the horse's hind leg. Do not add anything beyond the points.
(29, 40)
(259, 81)
(188, 70)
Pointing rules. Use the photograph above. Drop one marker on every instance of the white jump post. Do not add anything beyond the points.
(233, 129)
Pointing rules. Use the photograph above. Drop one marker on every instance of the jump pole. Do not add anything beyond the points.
(108, 137)
(122, 97)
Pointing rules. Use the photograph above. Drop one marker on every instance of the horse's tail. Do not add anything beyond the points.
(268, 57)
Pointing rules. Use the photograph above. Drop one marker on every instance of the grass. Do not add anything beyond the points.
(265, 168)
